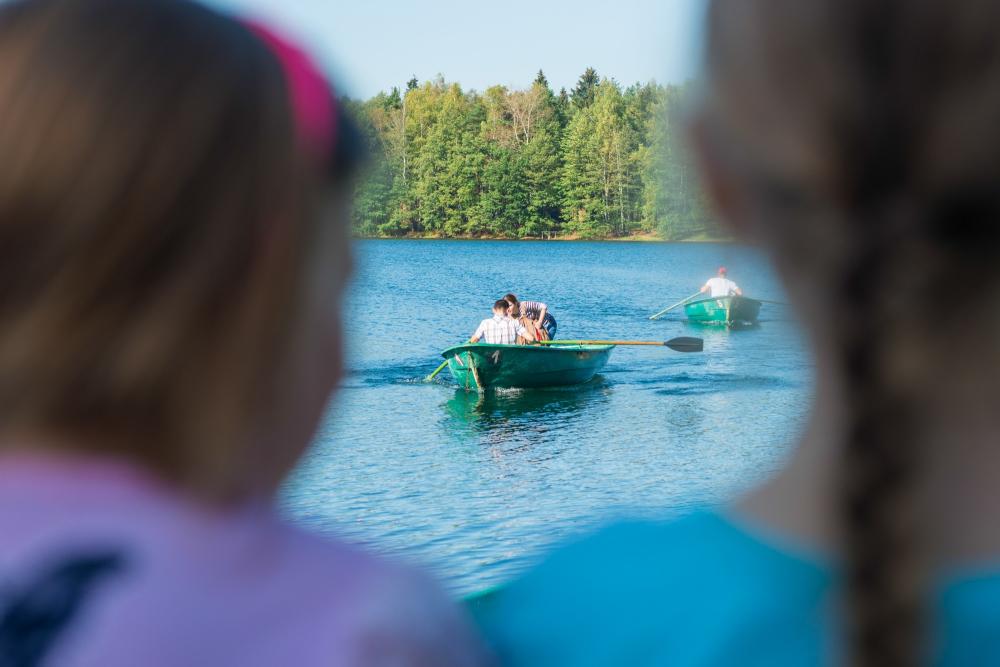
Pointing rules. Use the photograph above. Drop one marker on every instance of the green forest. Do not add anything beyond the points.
(600, 161)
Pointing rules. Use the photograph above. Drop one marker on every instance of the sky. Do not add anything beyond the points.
(373, 45)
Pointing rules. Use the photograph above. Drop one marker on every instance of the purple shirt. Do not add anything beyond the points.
(152, 579)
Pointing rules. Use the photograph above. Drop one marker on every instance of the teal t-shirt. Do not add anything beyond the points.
(702, 590)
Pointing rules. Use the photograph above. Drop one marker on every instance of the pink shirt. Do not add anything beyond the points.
(102, 566)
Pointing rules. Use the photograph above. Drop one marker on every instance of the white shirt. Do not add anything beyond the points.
(720, 286)
(499, 331)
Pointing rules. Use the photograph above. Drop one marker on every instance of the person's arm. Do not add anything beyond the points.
(541, 313)
(738, 291)
(704, 288)
(479, 333)
(537, 307)
(524, 333)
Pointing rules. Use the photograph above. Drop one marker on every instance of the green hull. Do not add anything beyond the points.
(480, 365)
(728, 310)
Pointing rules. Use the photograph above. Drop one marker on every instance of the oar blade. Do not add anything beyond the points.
(686, 344)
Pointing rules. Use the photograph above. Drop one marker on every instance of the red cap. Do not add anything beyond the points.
(722, 270)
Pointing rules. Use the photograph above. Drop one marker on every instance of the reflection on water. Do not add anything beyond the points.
(702, 327)
(510, 422)
(488, 410)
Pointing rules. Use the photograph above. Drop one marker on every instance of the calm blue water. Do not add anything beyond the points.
(475, 486)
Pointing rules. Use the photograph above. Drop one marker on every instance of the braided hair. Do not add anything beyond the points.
(868, 130)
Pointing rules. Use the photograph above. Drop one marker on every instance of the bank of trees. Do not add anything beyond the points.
(599, 161)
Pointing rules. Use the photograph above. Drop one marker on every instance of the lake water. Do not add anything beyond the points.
(474, 486)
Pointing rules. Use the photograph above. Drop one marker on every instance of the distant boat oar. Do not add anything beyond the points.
(680, 344)
(777, 303)
(669, 308)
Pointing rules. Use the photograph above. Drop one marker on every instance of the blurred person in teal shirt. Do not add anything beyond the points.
(856, 141)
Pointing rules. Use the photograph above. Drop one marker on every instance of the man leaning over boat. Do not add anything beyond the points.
(501, 329)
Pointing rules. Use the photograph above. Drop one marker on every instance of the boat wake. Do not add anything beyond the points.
(694, 384)
(413, 372)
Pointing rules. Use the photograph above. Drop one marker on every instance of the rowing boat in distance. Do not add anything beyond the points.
(726, 310)
(482, 365)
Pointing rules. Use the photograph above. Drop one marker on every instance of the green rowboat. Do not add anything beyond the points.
(727, 310)
(481, 365)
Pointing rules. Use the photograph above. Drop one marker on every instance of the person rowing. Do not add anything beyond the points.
(501, 329)
(721, 286)
(536, 311)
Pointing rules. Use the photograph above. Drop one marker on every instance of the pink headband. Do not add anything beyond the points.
(310, 93)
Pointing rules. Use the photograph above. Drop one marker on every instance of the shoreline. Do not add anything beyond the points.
(561, 239)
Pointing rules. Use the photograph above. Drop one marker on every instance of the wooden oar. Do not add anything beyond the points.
(679, 303)
(680, 344)
(777, 303)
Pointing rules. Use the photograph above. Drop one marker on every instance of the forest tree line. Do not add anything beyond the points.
(600, 161)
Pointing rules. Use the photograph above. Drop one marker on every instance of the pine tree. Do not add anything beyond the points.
(393, 100)
(563, 108)
(450, 161)
(543, 164)
(585, 90)
(504, 203)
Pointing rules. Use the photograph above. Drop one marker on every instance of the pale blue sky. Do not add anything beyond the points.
(372, 45)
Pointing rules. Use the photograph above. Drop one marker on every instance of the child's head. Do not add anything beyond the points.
(500, 307)
(173, 240)
(857, 140)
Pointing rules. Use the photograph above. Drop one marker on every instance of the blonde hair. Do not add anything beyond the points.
(156, 220)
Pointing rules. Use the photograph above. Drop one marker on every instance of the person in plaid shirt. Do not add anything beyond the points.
(500, 329)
